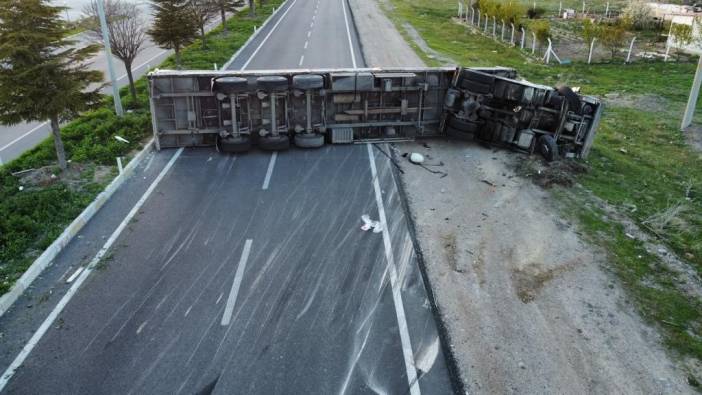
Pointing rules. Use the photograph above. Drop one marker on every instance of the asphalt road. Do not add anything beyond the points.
(240, 274)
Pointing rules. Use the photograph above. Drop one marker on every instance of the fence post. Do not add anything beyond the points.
(547, 57)
(631, 46)
(607, 11)
(494, 23)
(502, 33)
(533, 42)
(486, 22)
(478, 24)
(560, 9)
(692, 100)
(511, 38)
(667, 43)
(592, 45)
(459, 8)
(583, 8)
(472, 16)
(521, 46)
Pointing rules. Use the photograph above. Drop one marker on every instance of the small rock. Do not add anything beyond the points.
(522, 365)
(416, 158)
(443, 190)
(662, 251)
(21, 188)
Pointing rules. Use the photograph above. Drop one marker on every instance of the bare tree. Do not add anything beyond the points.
(224, 6)
(203, 12)
(127, 32)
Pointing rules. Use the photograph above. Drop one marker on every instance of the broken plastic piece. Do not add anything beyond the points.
(416, 158)
(369, 224)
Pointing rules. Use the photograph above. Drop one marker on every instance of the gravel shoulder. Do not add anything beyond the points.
(529, 306)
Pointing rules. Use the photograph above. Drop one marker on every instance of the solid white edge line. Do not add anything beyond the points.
(348, 33)
(271, 164)
(407, 352)
(24, 135)
(44, 327)
(46, 123)
(268, 35)
(231, 300)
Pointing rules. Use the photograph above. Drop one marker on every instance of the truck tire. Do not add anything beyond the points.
(309, 140)
(308, 81)
(234, 145)
(458, 135)
(229, 85)
(477, 76)
(463, 125)
(476, 87)
(274, 143)
(571, 97)
(272, 83)
(548, 147)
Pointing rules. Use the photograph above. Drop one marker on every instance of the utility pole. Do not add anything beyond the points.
(108, 55)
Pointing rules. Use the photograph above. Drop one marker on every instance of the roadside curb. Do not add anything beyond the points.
(253, 36)
(47, 257)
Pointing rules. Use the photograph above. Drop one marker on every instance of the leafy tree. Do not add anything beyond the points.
(42, 74)
(174, 26)
(225, 6)
(638, 14)
(127, 32)
(203, 11)
(590, 30)
(613, 36)
(682, 36)
(542, 30)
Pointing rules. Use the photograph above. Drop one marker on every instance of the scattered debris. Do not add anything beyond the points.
(488, 182)
(369, 224)
(416, 158)
(121, 139)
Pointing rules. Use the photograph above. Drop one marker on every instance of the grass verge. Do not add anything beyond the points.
(640, 164)
(37, 201)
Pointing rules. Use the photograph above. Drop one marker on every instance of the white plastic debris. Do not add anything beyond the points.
(416, 158)
(369, 224)
(121, 139)
(21, 188)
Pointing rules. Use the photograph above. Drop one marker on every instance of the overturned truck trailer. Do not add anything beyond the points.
(235, 110)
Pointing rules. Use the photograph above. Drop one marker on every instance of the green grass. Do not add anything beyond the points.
(640, 162)
(32, 218)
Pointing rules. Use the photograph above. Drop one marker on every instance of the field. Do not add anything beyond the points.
(641, 167)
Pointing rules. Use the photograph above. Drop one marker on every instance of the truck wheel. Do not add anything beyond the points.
(274, 143)
(311, 140)
(478, 76)
(272, 83)
(548, 147)
(308, 81)
(229, 85)
(571, 97)
(458, 135)
(463, 125)
(235, 144)
(475, 87)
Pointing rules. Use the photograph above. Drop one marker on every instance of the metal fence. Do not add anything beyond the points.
(562, 47)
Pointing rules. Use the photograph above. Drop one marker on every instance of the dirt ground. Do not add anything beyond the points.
(528, 306)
